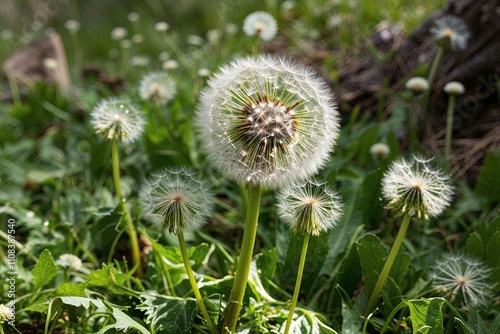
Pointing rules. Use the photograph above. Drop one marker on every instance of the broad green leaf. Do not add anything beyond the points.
(69, 289)
(371, 198)
(351, 320)
(123, 322)
(316, 255)
(44, 270)
(341, 237)
(474, 246)
(492, 256)
(426, 315)
(309, 324)
(220, 286)
(200, 254)
(495, 327)
(475, 322)
(488, 181)
(169, 314)
(372, 254)
(81, 301)
(266, 266)
(108, 277)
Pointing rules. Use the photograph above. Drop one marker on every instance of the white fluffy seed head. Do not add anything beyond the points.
(261, 24)
(177, 200)
(309, 207)
(450, 33)
(119, 33)
(117, 119)
(417, 85)
(157, 87)
(5, 313)
(463, 279)
(413, 187)
(454, 88)
(267, 120)
(379, 151)
(70, 261)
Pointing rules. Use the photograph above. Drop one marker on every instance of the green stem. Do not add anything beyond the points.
(241, 277)
(134, 241)
(192, 281)
(430, 79)
(449, 129)
(388, 264)
(19, 246)
(297, 282)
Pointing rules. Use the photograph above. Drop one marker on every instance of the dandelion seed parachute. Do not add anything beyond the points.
(262, 24)
(309, 207)
(414, 187)
(116, 119)
(158, 87)
(267, 120)
(450, 33)
(460, 277)
(175, 199)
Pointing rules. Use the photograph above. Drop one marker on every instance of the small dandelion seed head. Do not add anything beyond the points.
(73, 26)
(137, 38)
(161, 26)
(170, 65)
(119, 33)
(116, 119)
(70, 261)
(309, 207)
(133, 16)
(379, 151)
(5, 313)
(140, 61)
(175, 199)
(413, 187)
(463, 279)
(261, 24)
(267, 121)
(417, 85)
(126, 44)
(50, 64)
(454, 88)
(203, 72)
(158, 87)
(450, 33)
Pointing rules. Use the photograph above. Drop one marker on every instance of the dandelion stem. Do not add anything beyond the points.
(388, 264)
(449, 129)
(192, 281)
(430, 79)
(241, 277)
(297, 282)
(126, 212)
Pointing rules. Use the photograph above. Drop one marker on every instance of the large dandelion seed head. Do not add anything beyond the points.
(261, 24)
(450, 33)
(267, 120)
(116, 119)
(463, 279)
(158, 87)
(310, 207)
(413, 187)
(175, 199)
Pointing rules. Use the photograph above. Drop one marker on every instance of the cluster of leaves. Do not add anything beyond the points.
(56, 184)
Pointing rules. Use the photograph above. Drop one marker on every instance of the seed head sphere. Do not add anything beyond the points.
(267, 120)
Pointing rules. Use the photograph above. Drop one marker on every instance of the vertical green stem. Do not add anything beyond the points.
(388, 264)
(430, 79)
(192, 281)
(295, 296)
(241, 277)
(134, 241)
(14, 89)
(449, 129)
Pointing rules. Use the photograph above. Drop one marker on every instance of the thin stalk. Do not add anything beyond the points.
(192, 281)
(19, 246)
(388, 264)
(134, 241)
(14, 89)
(449, 129)
(297, 283)
(241, 277)
(255, 48)
(430, 79)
